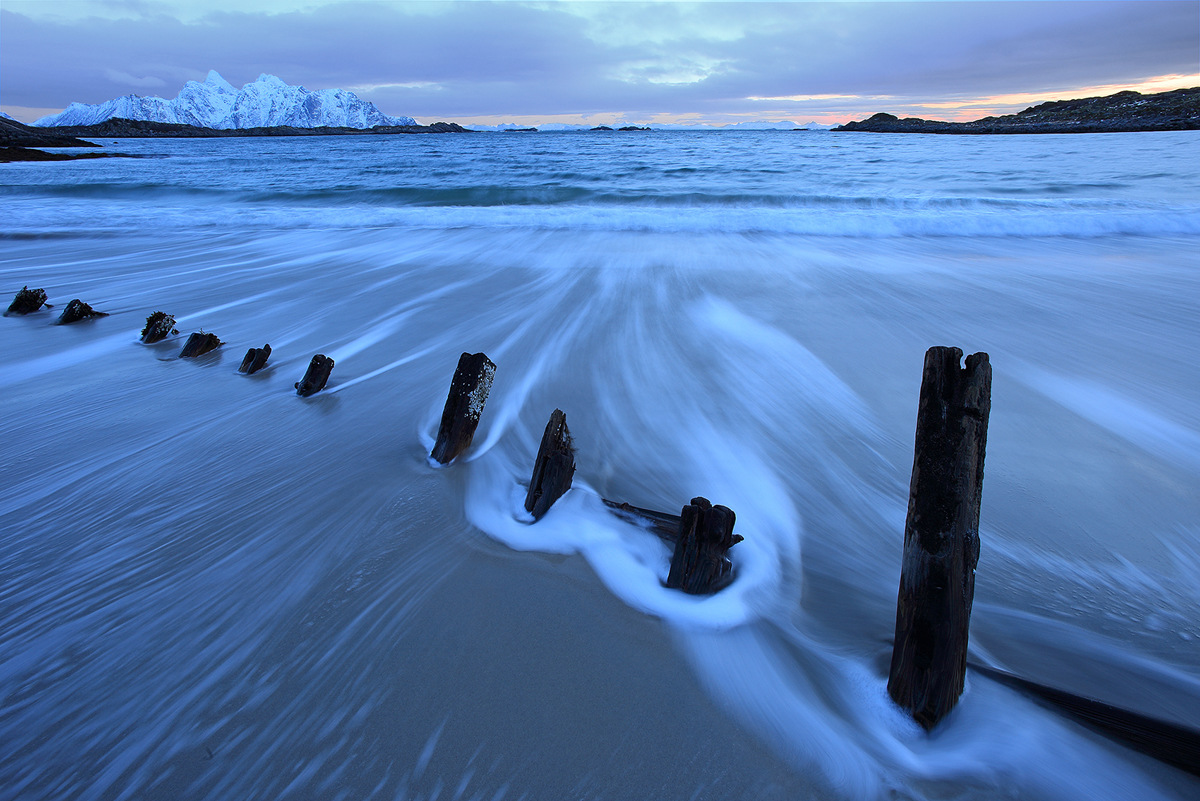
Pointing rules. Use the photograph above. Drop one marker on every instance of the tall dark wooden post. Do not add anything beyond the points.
(941, 535)
(468, 393)
(553, 468)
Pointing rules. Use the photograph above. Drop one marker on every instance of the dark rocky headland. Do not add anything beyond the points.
(1178, 110)
(18, 142)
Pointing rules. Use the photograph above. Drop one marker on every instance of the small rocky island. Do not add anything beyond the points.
(1128, 111)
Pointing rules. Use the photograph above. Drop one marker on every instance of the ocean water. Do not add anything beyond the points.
(213, 589)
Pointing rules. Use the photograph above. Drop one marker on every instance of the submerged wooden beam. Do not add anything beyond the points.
(27, 301)
(468, 393)
(159, 325)
(256, 359)
(316, 376)
(77, 310)
(198, 344)
(664, 524)
(699, 565)
(941, 535)
(1169, 742)
(553, 468)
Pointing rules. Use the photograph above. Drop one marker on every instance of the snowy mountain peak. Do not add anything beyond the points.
(215, 103)
(215, 80)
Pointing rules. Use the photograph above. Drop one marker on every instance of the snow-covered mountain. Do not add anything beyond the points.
(5, 116)
(215, 103)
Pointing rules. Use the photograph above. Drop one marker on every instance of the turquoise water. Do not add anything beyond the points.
(210, 588)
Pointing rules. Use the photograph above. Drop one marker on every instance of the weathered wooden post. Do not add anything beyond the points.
(77, 310)
(159, 325)
(315, 376)
(699, 564)
(468, 393)
(553, 468)
(941, 535)
(198, 344)
(256, 359)
(27, 301)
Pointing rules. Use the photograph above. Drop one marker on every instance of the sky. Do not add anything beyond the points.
(487, 62)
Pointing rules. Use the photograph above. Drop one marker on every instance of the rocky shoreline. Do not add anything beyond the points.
(18, 142)
(118, 128)
(1123, 112)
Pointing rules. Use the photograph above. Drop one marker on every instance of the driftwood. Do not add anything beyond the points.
(941, 535)
(256, 359)
(1174, 744)
(27, 301)
(665, 525)
(468, 393)
(316, 376)
(77, 310)
(198, 344)
(699, 564)
(553, 468)
(159, 326)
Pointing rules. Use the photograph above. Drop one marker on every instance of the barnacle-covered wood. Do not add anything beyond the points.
(27, 301)
(159, 326)
(468, 393)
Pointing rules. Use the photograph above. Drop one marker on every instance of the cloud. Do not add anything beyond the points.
(488, 59)
(125, 79)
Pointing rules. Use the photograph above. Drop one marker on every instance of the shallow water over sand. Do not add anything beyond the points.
(214, 589)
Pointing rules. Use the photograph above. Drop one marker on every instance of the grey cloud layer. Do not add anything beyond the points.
(463, 59)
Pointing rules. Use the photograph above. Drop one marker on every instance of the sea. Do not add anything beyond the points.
(211, 588)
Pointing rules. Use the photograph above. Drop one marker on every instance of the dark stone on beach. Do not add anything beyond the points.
(553, 468)
(699, 565)
(27, 301)
(159, 325)
(256, 359)
(78, 310)
(316, 376)
(1127, 111)
(941, 535)
(198, 344)
(468, 393)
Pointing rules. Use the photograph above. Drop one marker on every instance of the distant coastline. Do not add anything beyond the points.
(117, 128)
(17, 140)
(1123, 112)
